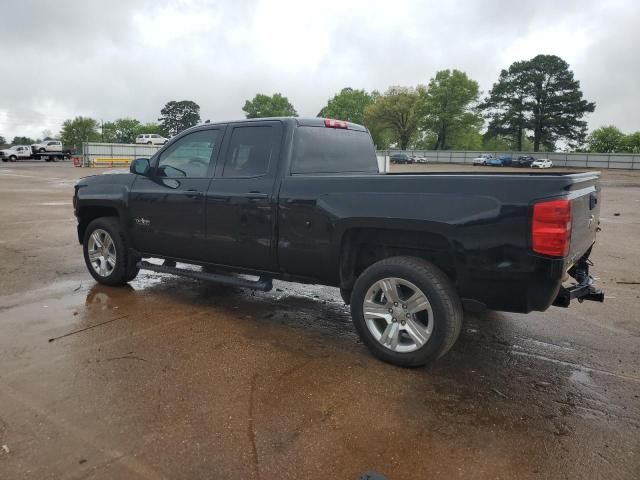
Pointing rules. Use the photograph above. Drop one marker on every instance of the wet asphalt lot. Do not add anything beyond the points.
(174, 378)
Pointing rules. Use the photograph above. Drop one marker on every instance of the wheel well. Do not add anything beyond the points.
(364, 247)
(90, 213)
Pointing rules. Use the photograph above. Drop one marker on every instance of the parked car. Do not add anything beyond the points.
(495, 162)
(541, 163)
(523, 161)
(47, 146)
(418, 159)
(483, 159)
(151, 139)
(400, 158)
(16, 152)
(302, 200)
(500, 162)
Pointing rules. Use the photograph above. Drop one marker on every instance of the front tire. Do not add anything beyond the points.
(13, 158)
(406, 311)
(106, 253)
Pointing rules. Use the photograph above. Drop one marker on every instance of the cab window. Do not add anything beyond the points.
(189, 156)
(250, 151)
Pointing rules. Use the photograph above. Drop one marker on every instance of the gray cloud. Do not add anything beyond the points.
(127, 58)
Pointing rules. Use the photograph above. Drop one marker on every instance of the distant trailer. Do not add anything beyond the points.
(51, 156)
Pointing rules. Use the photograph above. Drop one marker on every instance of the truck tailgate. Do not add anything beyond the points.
(585, 215)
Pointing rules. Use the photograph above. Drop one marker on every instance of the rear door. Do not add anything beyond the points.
(240, 202)
(167, 207)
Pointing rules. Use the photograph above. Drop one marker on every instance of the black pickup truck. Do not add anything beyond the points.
(302, 200)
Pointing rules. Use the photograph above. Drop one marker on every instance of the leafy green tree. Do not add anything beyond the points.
(465, 138)
(152, 127)
(607, 139)
(542, 97)
(347, 105)
(262, 106)
(394, 114)
(22, 141)
(496, 143)
(506, 110)
(631, 143)
(108, 132)
(178, 116)
(3, 142)
(505, 143)
(122, 130)
(78, 130)
(447, 108)
(424, 140)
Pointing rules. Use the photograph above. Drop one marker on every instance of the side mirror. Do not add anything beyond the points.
(140, 166)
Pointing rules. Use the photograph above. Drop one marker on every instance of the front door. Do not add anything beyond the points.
(240, 204)
(167, 207)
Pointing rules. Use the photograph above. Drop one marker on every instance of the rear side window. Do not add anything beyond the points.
(333, 150)
(250, 151)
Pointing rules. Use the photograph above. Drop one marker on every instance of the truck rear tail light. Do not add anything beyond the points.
(331, 123)
(551, 228)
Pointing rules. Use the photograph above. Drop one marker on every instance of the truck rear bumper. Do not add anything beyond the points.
(534, 287)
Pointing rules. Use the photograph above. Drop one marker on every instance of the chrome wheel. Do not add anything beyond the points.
(102, 252)
(398, 315)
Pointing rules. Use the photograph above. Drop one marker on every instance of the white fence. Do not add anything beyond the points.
(121, 154)
(114, 154)
(629, 161)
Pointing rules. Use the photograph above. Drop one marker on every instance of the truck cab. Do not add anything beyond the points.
(15, 152)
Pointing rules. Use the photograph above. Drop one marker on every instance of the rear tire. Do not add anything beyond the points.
(416, 327)
(106, 253)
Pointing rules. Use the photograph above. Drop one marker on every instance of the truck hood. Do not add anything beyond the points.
(108, 178)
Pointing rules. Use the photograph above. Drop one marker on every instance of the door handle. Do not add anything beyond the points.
(192, 193)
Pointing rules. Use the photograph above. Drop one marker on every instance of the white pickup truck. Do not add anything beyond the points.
(16, 152)
(47, 146)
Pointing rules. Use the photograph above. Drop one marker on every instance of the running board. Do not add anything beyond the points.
(263, 284)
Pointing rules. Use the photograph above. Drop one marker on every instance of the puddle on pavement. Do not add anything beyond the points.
(134, 351)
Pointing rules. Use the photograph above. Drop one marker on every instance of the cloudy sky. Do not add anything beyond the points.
(127, 58)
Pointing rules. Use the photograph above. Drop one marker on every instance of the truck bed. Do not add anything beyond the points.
(479, 222)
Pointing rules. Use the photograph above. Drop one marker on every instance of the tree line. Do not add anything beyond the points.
(610, 139)
(175, 117)
(534, 105)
